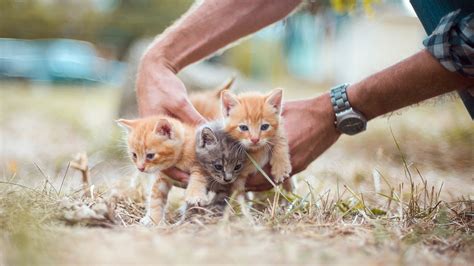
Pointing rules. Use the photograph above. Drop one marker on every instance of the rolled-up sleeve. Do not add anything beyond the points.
(452, 43)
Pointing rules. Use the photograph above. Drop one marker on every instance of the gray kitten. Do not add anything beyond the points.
(221, 157)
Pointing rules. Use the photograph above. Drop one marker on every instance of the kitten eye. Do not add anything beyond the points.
(264, 126)
(134, 155)
(218, 167)
(244, 127)
(237, 167)
(150, 156)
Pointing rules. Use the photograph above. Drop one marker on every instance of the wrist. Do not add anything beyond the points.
(359, 98)
(322, 112)
(156, 57)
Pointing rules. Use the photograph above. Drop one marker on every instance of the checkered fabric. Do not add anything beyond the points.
(452, 43)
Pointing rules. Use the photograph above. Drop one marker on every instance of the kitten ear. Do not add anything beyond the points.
(228, 101)
(163, 128)
(274, 99)
(207, 137)
(127, 124)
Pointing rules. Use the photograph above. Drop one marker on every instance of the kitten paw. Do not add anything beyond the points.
(281, 171)
(196, 200)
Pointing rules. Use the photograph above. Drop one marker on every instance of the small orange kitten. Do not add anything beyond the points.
(255, 120)
(160, 142)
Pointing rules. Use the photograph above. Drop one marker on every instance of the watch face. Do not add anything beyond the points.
(351, 125)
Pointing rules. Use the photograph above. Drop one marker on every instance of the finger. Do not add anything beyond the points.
(177, 174)
(258, 182)
(263, 186)
(188, 114)
(259, 188)
(259, 178)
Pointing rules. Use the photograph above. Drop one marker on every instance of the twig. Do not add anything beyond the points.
(80, 163)
(45, 177)
(64, 177)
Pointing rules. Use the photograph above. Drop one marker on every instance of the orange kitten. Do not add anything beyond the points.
(160, 142)
(255, 120)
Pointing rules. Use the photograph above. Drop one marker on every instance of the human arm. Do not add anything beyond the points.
(203, 30)
(410, 81)
(200, 32)
(443, 66)
(413, 80)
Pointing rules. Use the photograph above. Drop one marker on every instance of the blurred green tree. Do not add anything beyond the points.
(115, 25)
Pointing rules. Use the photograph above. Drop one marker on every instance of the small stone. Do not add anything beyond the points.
(65, 203)
(84, 213)
(69, 215)
(100, 209)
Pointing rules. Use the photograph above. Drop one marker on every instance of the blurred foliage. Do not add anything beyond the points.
(113, 23)
(116, 25)
(345, 6)
(341, 6)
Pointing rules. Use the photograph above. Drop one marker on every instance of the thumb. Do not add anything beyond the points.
(188, 114)
(177, 174)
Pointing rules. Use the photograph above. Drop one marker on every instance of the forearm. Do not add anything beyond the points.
(410, 81)
(213, 25)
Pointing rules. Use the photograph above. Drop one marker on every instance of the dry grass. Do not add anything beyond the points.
(394, 219)
(395, 200)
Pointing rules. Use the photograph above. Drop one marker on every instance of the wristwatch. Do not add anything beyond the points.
(348, 120)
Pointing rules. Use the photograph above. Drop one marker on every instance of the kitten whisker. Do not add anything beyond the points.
(269, 142)
(268, 147)
(213, 183)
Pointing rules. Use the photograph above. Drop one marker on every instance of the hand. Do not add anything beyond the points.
(307, 140)
(310, 130)
(177, 175)
(159, 91)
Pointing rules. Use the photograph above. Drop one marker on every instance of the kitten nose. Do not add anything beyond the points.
(227, 178)
(255, 140)
(141, 169)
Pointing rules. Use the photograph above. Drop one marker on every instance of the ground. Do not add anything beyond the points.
(400, 193)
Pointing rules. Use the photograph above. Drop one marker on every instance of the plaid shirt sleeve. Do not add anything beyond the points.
(452, 43)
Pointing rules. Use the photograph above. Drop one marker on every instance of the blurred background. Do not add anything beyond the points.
(67, 71)
(92, 40)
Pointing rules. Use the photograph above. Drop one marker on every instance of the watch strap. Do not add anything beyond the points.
(339, 98)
